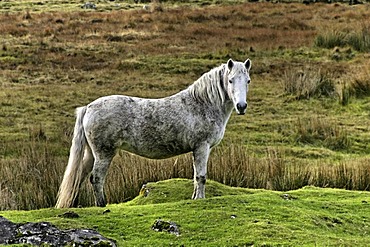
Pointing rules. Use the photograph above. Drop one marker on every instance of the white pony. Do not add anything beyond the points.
(192, 120)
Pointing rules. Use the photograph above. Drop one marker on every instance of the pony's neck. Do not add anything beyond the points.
(209, 88)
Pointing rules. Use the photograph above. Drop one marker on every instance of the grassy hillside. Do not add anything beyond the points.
(55, 56)
(228, 217)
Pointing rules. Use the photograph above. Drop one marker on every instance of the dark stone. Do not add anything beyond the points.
(7, 231)
(288, 197)
(106, 211)
(69, 214)
(88, 5)
(45, 233)
(41, 233)
(88, 237)
(166, 226)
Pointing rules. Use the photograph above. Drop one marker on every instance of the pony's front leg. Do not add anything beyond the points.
(200, 156)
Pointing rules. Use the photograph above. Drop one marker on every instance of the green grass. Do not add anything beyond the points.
(228, 217)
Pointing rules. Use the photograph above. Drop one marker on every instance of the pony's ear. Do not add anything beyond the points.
(230, 64)
(248, 64)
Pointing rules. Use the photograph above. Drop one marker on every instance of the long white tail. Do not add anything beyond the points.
(72, 179)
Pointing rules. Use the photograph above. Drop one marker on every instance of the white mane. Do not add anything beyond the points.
(209, 87)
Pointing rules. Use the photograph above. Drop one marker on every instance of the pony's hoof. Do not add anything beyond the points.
(197, 196)
(101, 203)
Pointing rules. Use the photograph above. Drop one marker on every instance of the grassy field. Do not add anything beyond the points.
(308, 119)
(228, 217)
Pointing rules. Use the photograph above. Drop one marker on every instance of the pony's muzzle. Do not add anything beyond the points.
(241, 108)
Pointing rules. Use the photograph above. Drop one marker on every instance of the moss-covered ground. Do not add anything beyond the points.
(227, 217)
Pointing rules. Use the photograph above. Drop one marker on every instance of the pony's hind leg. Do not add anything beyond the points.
(88, 162)
(97, 178)
(200, 156)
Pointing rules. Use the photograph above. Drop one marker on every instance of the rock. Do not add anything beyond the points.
(88, 5)
(166, 226)
(88, 237)
(8, 231)
(41, 233)
(69, 214)
(44, 233)
(288, 197)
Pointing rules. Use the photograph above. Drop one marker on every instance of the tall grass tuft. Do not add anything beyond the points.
(345, 175)
(331, 39)
(318, 131)
(307, 83)
(360, 82)
(31, 180)
(356, 85)
(358, 40)
(7, 197)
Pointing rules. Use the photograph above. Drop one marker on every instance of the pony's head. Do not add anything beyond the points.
(236, 83)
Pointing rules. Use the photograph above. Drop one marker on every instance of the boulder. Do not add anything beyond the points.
(44, 233)
(166, 226)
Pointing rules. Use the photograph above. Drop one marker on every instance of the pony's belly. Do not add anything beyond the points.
(156, 151)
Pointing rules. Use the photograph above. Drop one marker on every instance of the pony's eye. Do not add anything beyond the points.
(230, 81)
(249, 81)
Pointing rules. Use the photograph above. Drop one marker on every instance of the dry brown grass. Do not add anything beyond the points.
(89, 41)
(249, 24)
